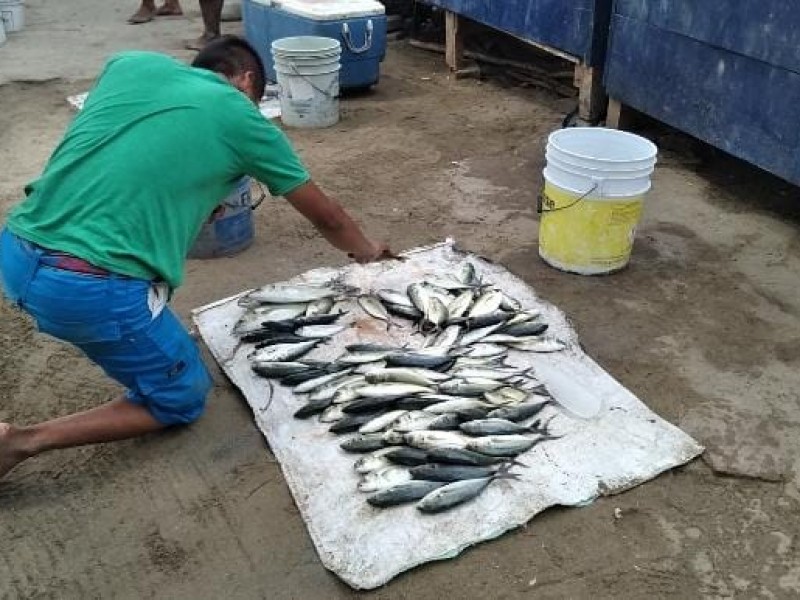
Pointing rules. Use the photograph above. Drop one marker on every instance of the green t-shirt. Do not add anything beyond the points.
(157, 146)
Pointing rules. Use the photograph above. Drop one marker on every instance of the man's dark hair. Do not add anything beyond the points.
(232, 56)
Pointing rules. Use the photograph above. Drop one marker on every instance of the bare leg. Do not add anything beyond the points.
(116, 420)
(212, 15)
(170, 8)
(145, 13)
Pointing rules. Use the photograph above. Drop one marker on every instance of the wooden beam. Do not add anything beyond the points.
(454, 41)
(619, 116)
(592, 99)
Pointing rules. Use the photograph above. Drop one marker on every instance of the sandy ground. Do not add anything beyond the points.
(703, 326)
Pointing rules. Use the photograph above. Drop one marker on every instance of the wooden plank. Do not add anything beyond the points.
(454, 41)
(592, 98)
(614, 117)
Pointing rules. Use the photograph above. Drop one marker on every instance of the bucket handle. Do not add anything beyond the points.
(253, 204)
(543, 204)
(326, 93)
(348, 40)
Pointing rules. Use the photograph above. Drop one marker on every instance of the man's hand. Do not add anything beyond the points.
(379, 251)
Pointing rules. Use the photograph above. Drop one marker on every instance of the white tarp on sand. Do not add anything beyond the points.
(615, 443)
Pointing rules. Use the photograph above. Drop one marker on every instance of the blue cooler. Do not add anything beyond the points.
(360, 25)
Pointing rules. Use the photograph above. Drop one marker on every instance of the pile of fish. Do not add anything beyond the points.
(437, 424)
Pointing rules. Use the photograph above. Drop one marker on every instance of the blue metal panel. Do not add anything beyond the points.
(576, 27)
(740, 104)
(765, 29)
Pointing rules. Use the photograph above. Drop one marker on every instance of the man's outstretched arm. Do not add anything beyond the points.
(335, 225)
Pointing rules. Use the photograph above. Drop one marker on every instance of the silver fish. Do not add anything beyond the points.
(493, 426)
(425, 440)
(467, 274)
(332, 414)
(445, 422)
(381, 422)
(318, 382)
(415, 420)
(453, 494)
(499, 374)
(471, 387)
(278, 368)
(283, 352)
(394, 297)
(482, 350)
(332, 388)
(423, 377)
(488, 302)
(509, 395)
(394, 437)
(372, 461)
(286, 293)
(385, 390)
(360, 358)
(523, 316)
(456, 405)
(466, 362)
(383, 479)
(449, 284)
(401, 310)
(509, 303)
(254, 320)
(449, 473)
(374, 308)
(420, 296)
(320, 331)
(539, 346)
(403, 492)
(506, 339)
(519, 412)
(459, 307)
(363, 442)
(448, 337)
(437, 313)
(475, 335)
(501, 445)
(370, 367)
(319, 307)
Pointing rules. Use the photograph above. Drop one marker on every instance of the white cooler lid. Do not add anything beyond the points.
(328, 10)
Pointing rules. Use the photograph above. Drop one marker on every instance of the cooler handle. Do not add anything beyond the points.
(348, 40)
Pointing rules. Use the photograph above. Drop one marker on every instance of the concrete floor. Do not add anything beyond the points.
(703, 326)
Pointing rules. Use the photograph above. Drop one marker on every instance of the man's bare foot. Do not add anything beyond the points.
(169, 9)
(11, 452)
(143, 15)
(200, 42)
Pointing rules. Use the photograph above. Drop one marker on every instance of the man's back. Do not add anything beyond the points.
(156, 147)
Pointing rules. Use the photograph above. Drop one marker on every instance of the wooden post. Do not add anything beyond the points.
(619, 116)
(591, 95)
(454, 39)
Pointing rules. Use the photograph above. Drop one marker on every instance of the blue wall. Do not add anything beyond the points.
(725, 71)
(577, 27)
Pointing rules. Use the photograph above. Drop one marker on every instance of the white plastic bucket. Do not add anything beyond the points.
(12, 12)
(595, 183)
(307, 69)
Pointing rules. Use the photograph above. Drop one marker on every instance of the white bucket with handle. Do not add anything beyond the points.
(12, 13)
(307, 69)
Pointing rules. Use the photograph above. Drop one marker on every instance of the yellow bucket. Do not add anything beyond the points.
(595, 184)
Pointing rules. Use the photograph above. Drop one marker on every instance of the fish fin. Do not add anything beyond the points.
(268, 403)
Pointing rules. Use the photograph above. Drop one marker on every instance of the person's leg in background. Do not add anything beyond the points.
(148, 10)
(212, 16)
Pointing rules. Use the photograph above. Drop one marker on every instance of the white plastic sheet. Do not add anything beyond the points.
(616, 444)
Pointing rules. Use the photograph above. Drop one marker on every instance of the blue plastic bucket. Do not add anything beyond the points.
(231, 230)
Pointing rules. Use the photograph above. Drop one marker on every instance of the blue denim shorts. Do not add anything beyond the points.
(109, 319)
